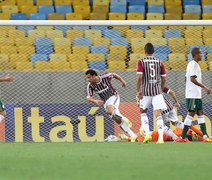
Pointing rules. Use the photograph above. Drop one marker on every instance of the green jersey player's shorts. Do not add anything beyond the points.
(194, 104)
(1, 106)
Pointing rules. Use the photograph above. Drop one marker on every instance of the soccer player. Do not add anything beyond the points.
(108, 97)
(193, 95)
(2, 110)
(150, 71)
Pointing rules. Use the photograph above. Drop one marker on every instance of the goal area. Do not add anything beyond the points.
(48, 59)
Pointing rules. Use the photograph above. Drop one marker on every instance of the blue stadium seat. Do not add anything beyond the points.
(38, 16)
(137, 9)
(119, 41)
(38, 57)
(156, 9)
(98, 65)
(99, 50)
(43, 42)
(63, 9)
(81, 27)
(209, 49)
(82, 42)
(46, 9)
(175, 33)
(44, 50)
(162, 56)
(203, 49)
(63, 29)
(111, 33)
(143, 28)
(26, 28)
(162, 49)
(18, 16)
(207, 9)
(118, 8)
(118, 2)
(99, 27)
(191, 2)
(192, 9)
(136, 2)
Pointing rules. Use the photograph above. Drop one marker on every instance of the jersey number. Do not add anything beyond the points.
(152, 70)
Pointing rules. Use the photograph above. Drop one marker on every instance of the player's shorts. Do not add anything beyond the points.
(194, 104)
(157, 102)
(113, 100)
(172, 115)
(1, 106)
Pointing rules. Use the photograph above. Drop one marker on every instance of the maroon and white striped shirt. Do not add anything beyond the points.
(152, 70)
(104, 88)
(167, 100)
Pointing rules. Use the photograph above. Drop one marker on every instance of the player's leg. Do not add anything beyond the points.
(159, 105)
(2, 111)
(172, 115)
(166, 128)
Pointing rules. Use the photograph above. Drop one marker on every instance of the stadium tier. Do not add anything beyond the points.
(100, 47)
(105, 9)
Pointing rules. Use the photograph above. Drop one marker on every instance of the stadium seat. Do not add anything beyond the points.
(84, 10)
(29, 10)
(93, 33)
(81, 65)
(118, 50)
(77, 57)
(8, 50)
(24, 66)
(119, 42)
(80, 49)
(207, 41)
(136, 2)
(63, 28)
(194, 42)
(118, 2)
(207, 9)
(209, 57)
(60, 66)
(158, 41)
(206, 2)
(26, 28)
(191, 16)
(74, 33)
(58, 57)
(153, 34)
(82, 41)
(38, 57)
(154, 16)
(81, 28)
(14, 58)
(101, 2)
(80, 3)
(21, 3)
(210, 65)
(210, 49)
(44, 49)
(7, 42)
(62, 2)
(37, 16)
(116, 65)
(191, 2)
(18, 16)
(117, 16)
(56, 16)
(95, 57)
(74, 16)
(134, 33)
(118, 8)
(16, 33)
(26, 50)
(162, 49)
(176, 66)
(54, 34)
(62, 49)
(100, 9)
(3, 34)
(137, 9)
(192, 33)
(98, 16)
(173, 3)
(134, 58)
(46, 10)
(101, 41)
(10, 9)
(4, 16)
(42, 66)
(176, 41)
(62, 41)
(63, 9)
(207, 16)
(111, 33)
(192, 9)
(139, 41)
(161, 56)
(177, 57)
(99, 27)
(99, 49)
(97, 65)
(135, 16)
(174, 9)
(43, 41)
(172, 33)
(122, 29)
(203, 65)
(173, 16)
(44, 2)
(156, 9)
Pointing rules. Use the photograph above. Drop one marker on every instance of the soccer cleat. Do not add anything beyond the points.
(207, 140)
(128, 123)
(147, 139)
(133, 139)
(160, 142)
(123, 136)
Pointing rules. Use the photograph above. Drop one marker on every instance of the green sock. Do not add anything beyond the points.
(185, 130)
(203, 129)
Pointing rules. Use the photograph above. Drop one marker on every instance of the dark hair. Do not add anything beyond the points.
(149, 48)
(195, 51)
(91, 72)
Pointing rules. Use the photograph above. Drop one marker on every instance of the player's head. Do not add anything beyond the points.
(196, 54)
(149, 49)
(91, 75)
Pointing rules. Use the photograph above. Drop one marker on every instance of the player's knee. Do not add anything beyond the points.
(110, 110)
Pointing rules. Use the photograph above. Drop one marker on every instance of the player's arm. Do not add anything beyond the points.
(7, 79)
(139, 80)
(194, 80)
(173, 95)
(90, 98)
(118, 77)
(163, 76)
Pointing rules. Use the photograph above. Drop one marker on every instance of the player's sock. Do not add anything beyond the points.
(169, 132)
(160, 127)
(187, 124)
(197, 131)
(201, 122)
(179, 124)
(126, 129)
(145, 123)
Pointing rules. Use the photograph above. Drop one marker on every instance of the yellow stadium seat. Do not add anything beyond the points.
(116, 65)
(135, 16)
(7, 2)
(36, 33)
(173, 2)
(135, 42)
(80, 50)
(101, 41)
(77, 57)
(203, 65)
(43, 66)
(93, 33)
(153, 34)
(115, 57)
(44, 2)
(161, 28)
(118, 50)
(4, 57)
(207, 33)
(26, 50)
(7, 28)
(100, 9)
(174, 9)
(192, 33)
(45, 28)
(206, 2)
(62, 41)
(101, 2)
(191, 16)
(176, 41)
(3, 34)
(14, 58)
(9, 9)
(4, 63)
(24, 66)
(80, 65)
(56, 16)
(24, 41)
(195, 28)
(63, 2)
(58, 57)
(81, 2)
(179, 49)
(29, 9)
(193, 41)
(208, 41)
(134, 33)
(62, 50)
(74, 33)
(155, 2)
(98, 16)
(122, 29)
(134, 58)
(4, 16)
(95, 57)
(173, 16)
(7, 41)
(21, 3)
(60, 66)
(175, 65)
(84, 10)
(138, 49)
(210, 65)
(117, 16)
(74, 16)
(177, 57)
(207, 16)
(166, 63)
(154, 16)
(16, 33)
(158, 41)
(54, 34)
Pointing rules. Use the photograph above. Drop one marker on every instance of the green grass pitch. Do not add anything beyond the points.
(96, 161)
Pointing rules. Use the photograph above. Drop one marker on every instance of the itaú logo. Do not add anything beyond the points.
(37, 122)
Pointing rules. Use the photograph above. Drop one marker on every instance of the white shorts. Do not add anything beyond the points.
(113, 100)
(157, 102)
(172, 116)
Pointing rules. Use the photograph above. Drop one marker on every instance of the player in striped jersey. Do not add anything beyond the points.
(151, 78)
(101, 84)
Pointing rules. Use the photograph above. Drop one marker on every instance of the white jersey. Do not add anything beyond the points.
(193, 91)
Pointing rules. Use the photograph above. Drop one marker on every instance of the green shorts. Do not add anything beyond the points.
(194, 104)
